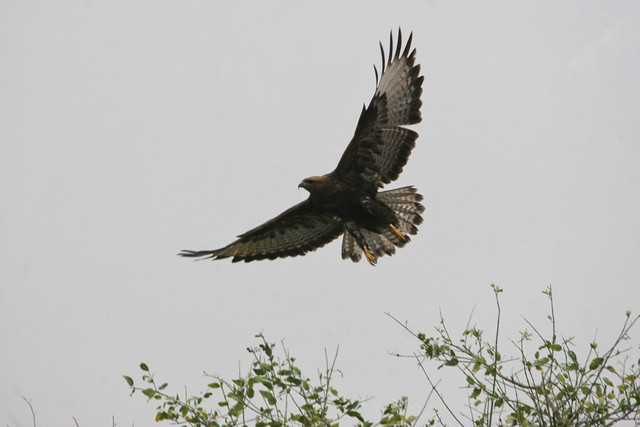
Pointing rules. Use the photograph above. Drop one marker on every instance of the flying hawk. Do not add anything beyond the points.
(346, 201)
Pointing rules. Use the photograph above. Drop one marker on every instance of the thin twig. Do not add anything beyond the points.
(415, 422)
(33, 413)
(495, 356)
(434, 388)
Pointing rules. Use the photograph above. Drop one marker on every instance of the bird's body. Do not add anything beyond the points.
(347, 201)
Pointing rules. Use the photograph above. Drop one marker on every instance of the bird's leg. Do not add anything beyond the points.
(354, 229)
(398, 233)
(370, 257)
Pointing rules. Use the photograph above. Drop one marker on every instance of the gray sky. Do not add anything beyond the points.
(131, 131)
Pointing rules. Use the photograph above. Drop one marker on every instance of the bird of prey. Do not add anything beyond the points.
(347, 201)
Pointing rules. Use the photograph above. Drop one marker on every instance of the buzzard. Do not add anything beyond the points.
(347, 201)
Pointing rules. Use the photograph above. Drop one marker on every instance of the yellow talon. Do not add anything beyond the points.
(398, 233)
(370, 257)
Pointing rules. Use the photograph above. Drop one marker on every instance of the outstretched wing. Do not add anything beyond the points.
(296, 231)
(381, 146)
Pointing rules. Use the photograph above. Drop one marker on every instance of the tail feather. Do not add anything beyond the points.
(350, 248)
(393, 237)
(405, 202)
(378, 244)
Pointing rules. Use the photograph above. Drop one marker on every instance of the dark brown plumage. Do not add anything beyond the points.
(347, 200)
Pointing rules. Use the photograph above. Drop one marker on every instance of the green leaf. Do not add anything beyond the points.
(480, 359)
(267, 349)
(128, 380)
(213, 385)
(294, 380)
(355, 414)
(144, 367)
(149, 392)
(476, 392)
(451, 362)
(542, 362)
(607, 381)
(268, 396)
(595, 363)
(236, 409)
(237, 395)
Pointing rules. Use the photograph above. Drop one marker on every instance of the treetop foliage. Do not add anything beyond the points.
(549, 385)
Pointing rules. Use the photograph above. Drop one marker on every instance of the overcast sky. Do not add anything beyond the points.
(132, 130)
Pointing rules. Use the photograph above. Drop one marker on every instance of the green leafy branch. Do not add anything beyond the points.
(551, 388)
(274, 393)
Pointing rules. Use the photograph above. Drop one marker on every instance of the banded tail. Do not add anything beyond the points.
(405, 202)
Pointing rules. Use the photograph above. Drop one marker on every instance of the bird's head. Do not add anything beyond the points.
(311, 183)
